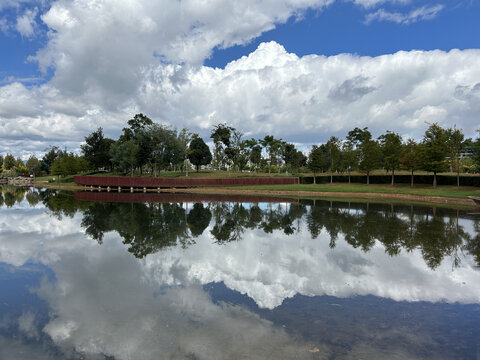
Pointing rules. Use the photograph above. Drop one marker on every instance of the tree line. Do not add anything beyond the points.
(148, 147)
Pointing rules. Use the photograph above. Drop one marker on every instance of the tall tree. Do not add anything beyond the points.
(369, 150)
(370, 156)
(334, 155)
(410, 157)
(184, 137)
(391, 147)
(138, 122)
(49, 157)
(434, 150)
(69, 164)
(33, 165)
(199, 153)
(476, 152)
(124, 155)
(274, 149)
(9, 162)
(221, 136)
(349, 159)
(316, 161)
(97, 149)
(1, 162)
(456, 145)
(289, 153)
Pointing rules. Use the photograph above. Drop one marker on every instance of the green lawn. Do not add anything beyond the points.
(422, 190)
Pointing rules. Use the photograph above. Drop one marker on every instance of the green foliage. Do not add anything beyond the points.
(47, 161)
(199, 154)
(69, 164)
(33, 165)
(316, 160)
(274, 148)
(97, 149)
(139, 122)
(221, 136)
(433, 150)
(124, 155)
(9, 162)
(391, 148)
(349, 159)
(333, 154)
(476, 152)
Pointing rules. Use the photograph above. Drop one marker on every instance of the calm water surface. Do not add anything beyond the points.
(122, 276)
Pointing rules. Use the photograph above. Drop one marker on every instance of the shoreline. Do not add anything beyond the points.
(311, 194)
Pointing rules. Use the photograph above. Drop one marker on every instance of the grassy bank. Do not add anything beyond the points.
(418, 190)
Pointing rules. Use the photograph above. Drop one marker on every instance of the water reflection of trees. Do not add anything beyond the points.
(435, 231)
(149, 227)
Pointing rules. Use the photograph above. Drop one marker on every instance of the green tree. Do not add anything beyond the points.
(221, 136)
(368, 150)
(433, 150)
(162, 147)
(97, 149)
(253, 152)
(1, 162)
(124, 155)
(456, 145)
(349, 158)
(9, 162)
(49, 157)
(184, 137)
(138, 122)
(316, 161)
(391, 147)
(274, 149)
(476, 152)
(199, 153)
(69, 164)
(33, 165)
(410, 157)
(333, 154)
(370, 156)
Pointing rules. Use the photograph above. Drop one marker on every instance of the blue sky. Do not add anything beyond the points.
(69, 67)
(342, 29)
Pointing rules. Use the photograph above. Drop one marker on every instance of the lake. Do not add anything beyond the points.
(172, 276)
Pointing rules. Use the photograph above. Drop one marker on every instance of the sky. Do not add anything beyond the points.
(302, 70)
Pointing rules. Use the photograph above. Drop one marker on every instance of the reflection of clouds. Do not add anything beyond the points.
(100, 306)
(105, 301)
(34, 234)
(17, 349)
(272, 268)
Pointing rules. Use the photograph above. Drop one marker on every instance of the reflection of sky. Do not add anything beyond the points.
(103, 300)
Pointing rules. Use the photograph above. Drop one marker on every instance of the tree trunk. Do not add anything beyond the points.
(349, 176)
(368, 177)
(434, 179)
(331, 178)
(198, 166)
(393, 177)
(411, 180)
(458, 178)
(314, 179)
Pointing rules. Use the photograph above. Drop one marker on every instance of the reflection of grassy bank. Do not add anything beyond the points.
(401, 192)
